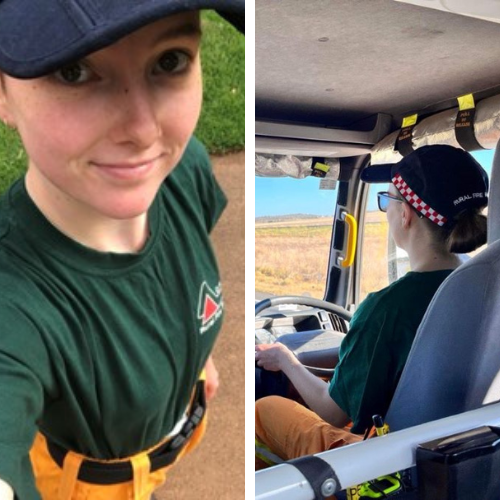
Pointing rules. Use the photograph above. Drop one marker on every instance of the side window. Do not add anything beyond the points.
(293, 230)
(383, 262)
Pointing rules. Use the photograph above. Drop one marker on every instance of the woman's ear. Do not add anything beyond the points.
(407, 215)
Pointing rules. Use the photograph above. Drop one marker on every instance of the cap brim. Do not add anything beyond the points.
(377, 174)
(37, 41)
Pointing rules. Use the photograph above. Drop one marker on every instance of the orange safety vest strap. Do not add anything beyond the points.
(141, 466)
(72, 463)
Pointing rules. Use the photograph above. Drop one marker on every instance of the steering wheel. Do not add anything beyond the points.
(303, 301)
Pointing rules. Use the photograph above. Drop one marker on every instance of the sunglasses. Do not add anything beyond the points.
(383, 199)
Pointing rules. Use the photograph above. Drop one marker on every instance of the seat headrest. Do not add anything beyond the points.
(494, 199)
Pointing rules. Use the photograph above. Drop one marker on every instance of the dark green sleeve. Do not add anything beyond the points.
(21, 400)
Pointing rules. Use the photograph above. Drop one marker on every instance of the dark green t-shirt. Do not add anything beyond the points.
(100, 351)
(374, 351)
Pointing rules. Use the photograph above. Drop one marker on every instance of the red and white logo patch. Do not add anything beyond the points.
(210, 306)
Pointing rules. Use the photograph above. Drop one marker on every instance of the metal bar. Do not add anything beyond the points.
(305, 147)
(360, 462)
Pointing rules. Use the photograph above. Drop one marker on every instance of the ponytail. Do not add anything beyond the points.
(466, 234)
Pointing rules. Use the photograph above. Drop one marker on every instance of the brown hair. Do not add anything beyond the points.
(467, 233)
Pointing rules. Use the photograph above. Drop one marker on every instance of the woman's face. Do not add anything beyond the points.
(394, 215)
(103, 133)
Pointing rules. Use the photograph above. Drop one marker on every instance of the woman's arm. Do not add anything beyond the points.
(313, 390)
(212, 380)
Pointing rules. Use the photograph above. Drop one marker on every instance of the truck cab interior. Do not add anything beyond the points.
(342, 87)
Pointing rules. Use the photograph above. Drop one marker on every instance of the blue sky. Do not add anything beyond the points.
(281, 196)
(284, 195)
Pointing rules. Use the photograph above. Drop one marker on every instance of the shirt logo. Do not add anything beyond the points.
(210, 305)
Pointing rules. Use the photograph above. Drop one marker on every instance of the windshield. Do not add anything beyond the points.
(293, 227)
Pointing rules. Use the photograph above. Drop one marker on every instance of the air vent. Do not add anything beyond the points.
(338, 324)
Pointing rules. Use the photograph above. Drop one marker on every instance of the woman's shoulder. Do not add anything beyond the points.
(407, 296)
(19, 291)
(195, 162)
(193, 184)
(391, 291)
(192, 177)
(195, 152)
(412, 281)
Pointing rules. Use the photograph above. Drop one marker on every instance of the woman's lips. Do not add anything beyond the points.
(131, 171)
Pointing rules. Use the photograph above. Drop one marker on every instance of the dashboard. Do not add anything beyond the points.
(312, 334)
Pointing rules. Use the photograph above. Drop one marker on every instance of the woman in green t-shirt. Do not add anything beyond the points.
(110, 295)
(433, 208)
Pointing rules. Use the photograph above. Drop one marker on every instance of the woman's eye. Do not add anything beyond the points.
(74, 73)
(172, 62)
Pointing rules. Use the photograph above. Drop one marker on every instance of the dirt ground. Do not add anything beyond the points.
(216, 470)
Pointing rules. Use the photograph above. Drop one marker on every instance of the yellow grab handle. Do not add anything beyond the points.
(351, 241)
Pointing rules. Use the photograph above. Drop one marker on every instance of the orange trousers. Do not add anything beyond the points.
(285, 429)
(55, 483)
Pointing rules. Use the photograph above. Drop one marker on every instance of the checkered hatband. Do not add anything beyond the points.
(414, 200)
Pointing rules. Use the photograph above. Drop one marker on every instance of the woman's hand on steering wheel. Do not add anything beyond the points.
(273, 357)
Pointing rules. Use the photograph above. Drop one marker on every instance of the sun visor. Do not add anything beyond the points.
(298, 167)
(440, 129)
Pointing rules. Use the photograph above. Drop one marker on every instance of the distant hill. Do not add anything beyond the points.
(284, 218)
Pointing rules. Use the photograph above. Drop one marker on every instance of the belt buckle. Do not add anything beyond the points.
(177, 442)
(188, 429)
(197, 414)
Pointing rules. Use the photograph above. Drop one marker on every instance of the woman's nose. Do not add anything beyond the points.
(138, 121)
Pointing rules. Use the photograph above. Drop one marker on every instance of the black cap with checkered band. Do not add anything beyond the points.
(440, 182)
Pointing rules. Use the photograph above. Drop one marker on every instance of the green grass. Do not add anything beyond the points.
(222, 123)
(12, 158)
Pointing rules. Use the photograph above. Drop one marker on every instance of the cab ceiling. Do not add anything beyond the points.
(339, 62)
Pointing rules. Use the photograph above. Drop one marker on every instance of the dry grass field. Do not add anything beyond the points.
(291, 259)
(291, 256)
(374, 263)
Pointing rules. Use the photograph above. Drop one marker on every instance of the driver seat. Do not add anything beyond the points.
(454, 363)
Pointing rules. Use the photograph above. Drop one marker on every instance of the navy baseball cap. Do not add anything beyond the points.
(38, 37)
(439, 182)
